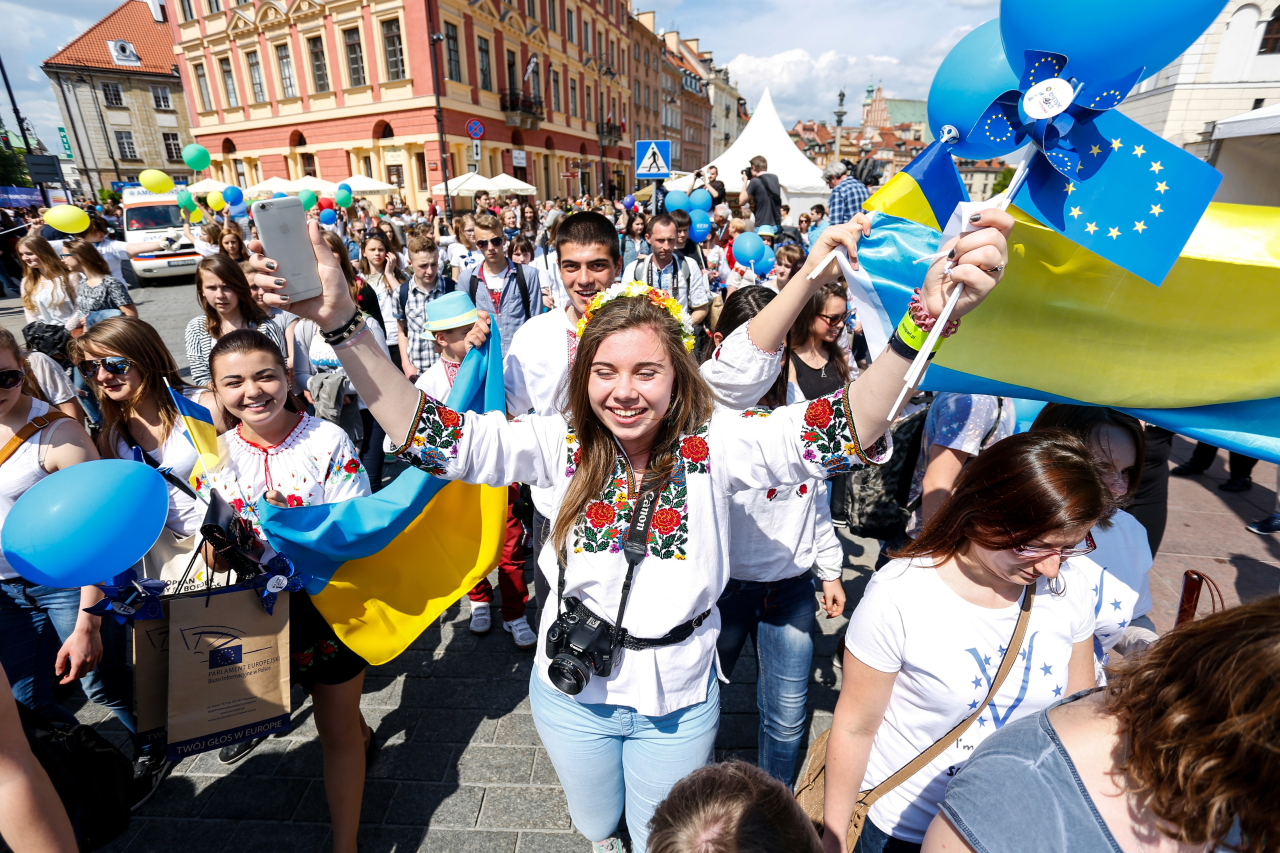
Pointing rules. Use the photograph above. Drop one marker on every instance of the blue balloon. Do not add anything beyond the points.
(232, 196)
(748, 248)
(346, 187)
(700, 199)
(66, 530)
(1105, 40)
(699, 225)
(328, 216)
(629, 202)
(973, 75)
(676, 200)
(764, 266)
(279, 195)
(98, 208)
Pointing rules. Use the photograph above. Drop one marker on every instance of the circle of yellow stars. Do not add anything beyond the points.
(1139, 225)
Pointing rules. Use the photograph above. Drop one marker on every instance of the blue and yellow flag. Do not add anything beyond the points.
(384, 567)
(926, 191)
(198, 423)
(1068, 325)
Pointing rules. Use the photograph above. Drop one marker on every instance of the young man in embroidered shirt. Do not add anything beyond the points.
(671, 271)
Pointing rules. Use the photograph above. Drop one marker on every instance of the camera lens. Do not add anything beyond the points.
(568, 674)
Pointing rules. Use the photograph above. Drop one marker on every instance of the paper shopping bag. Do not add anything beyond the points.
(228, 670)
(172, 559)
(151, 676)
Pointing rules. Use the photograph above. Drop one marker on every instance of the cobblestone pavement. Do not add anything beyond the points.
(459, 766)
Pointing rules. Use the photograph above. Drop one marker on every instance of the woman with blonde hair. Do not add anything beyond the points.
(228, 304)
(48, 298)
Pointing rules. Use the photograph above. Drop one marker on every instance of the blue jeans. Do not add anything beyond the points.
(779, 617)
(610, 756)
(876, 840)
(85, 395)
(34, 623)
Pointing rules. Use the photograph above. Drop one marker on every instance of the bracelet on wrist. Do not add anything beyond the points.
(347, 330)
(925, 320)
(902, 348)
(910, 333)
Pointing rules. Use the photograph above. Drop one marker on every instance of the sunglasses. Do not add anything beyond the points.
(114, 364)
(10, 379)
(835, 319)
(1089, 547)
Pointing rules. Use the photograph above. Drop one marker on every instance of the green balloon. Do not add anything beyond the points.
(184, 198)
(196, 157)
(308, 199)
(190, 204)
(342, 198)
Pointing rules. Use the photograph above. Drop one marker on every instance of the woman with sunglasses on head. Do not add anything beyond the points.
(639, 441)
(927, 639)
(1119, 571)
(99, 294)
(223, 293)
(276, 450)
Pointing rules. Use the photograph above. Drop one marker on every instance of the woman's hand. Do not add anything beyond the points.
(331, 308)
(833, 598)
(275, 497)
(846, 235)
(81, 652)
(978, 259)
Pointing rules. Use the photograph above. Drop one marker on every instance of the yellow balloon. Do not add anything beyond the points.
(215, 201)
(67, 218)
(196, 215)
(155, 181)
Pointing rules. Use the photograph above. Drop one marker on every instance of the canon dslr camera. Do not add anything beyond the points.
(579, 643)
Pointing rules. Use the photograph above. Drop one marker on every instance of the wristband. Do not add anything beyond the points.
(348, 329)
(910, 333)
(904, 349)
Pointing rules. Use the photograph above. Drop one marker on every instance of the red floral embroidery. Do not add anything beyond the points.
(326, 647)
(819, 413)
(600, 514)
(666, 520)
(771, 494)
(804, 489)
(294, 500)
(303, 658)
(694, 448)
(237, 505)
(448, 417)
(351, 466)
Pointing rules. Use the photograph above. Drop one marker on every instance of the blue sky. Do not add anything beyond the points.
(803, 50)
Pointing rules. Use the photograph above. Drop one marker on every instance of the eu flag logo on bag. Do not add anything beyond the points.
(225, 656)
(1138, 199)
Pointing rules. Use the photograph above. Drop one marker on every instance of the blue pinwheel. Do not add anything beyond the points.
(129, 597)
(278, 575)
(1053, 76)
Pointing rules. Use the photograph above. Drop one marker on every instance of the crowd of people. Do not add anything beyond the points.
(686, 437)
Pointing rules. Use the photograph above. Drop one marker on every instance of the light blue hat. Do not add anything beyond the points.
(767, 231)
(450, 311)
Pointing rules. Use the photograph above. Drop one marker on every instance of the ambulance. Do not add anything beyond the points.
(150, 217)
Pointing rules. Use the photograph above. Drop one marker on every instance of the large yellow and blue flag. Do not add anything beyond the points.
(198, 423)
(1068, 325)
(383, 568)
(927, 190)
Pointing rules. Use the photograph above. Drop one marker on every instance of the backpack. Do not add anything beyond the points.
(403, 296)
(93, 778)
(685, 277)
(473, 287)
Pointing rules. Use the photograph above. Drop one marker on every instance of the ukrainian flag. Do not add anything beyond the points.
(1067, 325)
(384, 567)
(926, 191)
(198, 422)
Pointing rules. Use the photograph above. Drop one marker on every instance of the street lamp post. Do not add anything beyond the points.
(608, 73)
(435, 80)
(840, 114)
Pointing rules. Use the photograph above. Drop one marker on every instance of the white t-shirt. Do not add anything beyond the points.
(945, 651)
(1119, 578)
(669, 278)
(494, 281)
(51, 379)
(53, 304)
(178, 454)
(461, 258)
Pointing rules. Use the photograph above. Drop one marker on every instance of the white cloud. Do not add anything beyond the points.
(804, 86)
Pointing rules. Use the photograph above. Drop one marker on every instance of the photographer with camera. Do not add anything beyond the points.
(712, 183)
(762, 190)
(847, 192)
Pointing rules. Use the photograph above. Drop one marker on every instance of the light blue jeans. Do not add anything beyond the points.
(610, 756)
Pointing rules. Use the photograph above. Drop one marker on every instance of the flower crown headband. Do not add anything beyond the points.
(658, 297)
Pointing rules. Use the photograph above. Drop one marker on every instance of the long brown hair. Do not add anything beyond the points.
(334, 242)
(731, 806)
(366, 268)
(139, 342)
(1085, 422)
(89, 257)
(1014, 492)
(51, 267)
(234, 232)
(800, 333)
(229, 272)
(1200, 714)
(691, 405)
(30, 387)
(243, 342)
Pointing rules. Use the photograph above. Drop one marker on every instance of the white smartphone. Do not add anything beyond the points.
(282, 228)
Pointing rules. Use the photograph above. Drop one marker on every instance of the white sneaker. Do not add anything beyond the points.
(609, 845)
(521, 632)
(481, 621)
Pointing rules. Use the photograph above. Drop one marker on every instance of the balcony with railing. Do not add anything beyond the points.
(521, 109)
(610, 134)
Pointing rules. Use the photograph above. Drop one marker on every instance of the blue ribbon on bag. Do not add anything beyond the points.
(129, 597)
(279, 575)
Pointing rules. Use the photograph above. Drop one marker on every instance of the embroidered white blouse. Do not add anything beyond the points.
(315, 464)
(688, 549)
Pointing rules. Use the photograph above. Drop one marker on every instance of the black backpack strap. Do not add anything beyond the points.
(169, 477)
(404, 296)
(524, 291)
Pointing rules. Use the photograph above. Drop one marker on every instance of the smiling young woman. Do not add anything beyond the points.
(639, 432)
(228, 304)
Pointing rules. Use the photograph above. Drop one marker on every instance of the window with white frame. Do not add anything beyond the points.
(393, 48)
(551, 15)
(319, 69)
(288, 86)
(571, 30)
(172, 146)
(124, 144)
(112, 95)
(355, 56)
(160, 97)
(573, 98)
(255, 77)
(452, 53)
(202, 83)
(188, 13)
(555, 91)
(486, 64)
(586, 97)
(229, 82)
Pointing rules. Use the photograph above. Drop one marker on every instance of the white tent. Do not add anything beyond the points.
(316, 185)
(508, 184)
(272, 185)
(466, 185)
(208, 185)
(1246, 150)
(361, 185)
(764, 135)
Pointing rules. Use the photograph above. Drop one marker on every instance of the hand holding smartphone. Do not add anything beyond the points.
(282, 228)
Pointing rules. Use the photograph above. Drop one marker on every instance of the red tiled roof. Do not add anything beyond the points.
(131, 22)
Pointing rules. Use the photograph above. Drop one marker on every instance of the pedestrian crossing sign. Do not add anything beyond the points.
(653, 159)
